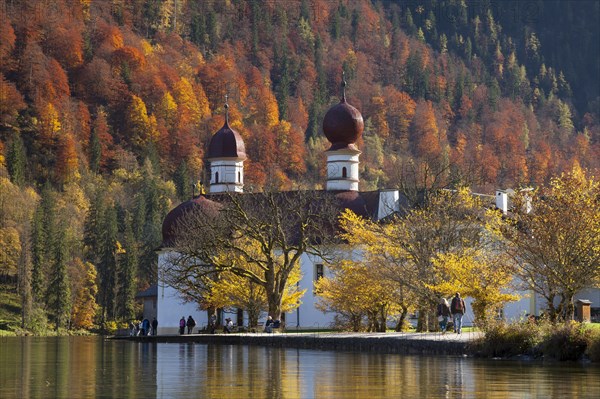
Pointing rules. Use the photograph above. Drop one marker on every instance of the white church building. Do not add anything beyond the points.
(342, 125)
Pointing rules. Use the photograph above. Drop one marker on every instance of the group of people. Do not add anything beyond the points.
(143, 328)
(456, 309)
(190, 324)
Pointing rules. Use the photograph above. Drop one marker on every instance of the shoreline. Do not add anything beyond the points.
(398, 343)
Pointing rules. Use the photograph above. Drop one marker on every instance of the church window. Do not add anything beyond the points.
(344, 172)
(217, 177)
(239, 177)
(318, 271)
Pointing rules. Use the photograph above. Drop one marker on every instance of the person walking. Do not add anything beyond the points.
(154, 326)
(191, 323)
(145, 327)
(458, 309)
(443, 312)
(182, 325)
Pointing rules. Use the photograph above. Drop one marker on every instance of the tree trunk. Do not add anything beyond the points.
(274, 299)
(402, 318)
(422, 321)
(356, 322)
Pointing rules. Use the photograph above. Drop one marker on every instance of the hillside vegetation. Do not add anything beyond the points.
(107, 107)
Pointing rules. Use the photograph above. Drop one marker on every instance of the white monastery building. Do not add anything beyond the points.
(342, 125)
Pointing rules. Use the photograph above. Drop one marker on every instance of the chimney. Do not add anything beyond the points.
(502, 201)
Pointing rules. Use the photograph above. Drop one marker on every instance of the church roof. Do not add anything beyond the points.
(343, 124)
(226, 143)
(173, 218)
(364, 204)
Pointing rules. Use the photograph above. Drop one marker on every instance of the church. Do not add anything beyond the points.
(343, 126)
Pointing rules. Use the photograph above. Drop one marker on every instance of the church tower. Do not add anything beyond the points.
(226, 154)
(343, 124)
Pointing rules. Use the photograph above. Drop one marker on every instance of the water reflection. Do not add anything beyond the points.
(93, 367)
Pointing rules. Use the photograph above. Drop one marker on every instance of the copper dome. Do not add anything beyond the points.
(343, 124)
(226, 143)
(170, 224)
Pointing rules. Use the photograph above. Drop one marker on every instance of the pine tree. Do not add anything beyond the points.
(95, 152)
(128, 266)
(59, 290)
(108, 264)
(182, 181)
(38, 239)
(16, 160)
(93, 226)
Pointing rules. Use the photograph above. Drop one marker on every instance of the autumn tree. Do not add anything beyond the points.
(85, 291)
(142, 126)
(11, 101)
(485, 276)
(554, 238)
(283, 226)
(101, 141)
(406, 247)
(358, 293)
(10, 251)
(67, 162)
(229, 289)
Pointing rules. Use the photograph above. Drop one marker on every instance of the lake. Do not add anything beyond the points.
(92, 367)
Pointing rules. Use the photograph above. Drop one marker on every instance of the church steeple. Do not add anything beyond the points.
(226, 154)
(343, 125)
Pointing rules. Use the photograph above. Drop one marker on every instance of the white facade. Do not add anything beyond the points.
(226, 175)
(342, 169)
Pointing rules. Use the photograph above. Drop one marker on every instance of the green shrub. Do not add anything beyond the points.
(566, 341)
(510, 339)
(37, 322)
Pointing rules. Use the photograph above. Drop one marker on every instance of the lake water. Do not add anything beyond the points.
(91, 367)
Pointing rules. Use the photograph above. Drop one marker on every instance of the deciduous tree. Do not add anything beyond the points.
(555, 239)
(284, 226)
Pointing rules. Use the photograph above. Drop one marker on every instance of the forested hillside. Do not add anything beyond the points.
(107, 107)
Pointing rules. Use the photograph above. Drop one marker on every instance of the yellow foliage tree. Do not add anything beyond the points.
(10, 251)
(555, 239)
(143, 126)
(406, 247)
(193, 104)
(357, 290)
(484, 276)
(85, 291)
(167, 110)
(233, 290)
(49, 123)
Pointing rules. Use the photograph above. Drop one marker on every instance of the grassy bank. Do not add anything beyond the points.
(10, 309)
(568, 341)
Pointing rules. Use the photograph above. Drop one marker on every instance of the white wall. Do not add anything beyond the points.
(171, 307)
(307, 314)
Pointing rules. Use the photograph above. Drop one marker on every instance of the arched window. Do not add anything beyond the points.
(239, 177)
(216, 177)
(344, 172)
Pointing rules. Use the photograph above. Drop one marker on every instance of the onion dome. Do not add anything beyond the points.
(343, 124)
(226, 143)
(179, 213)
